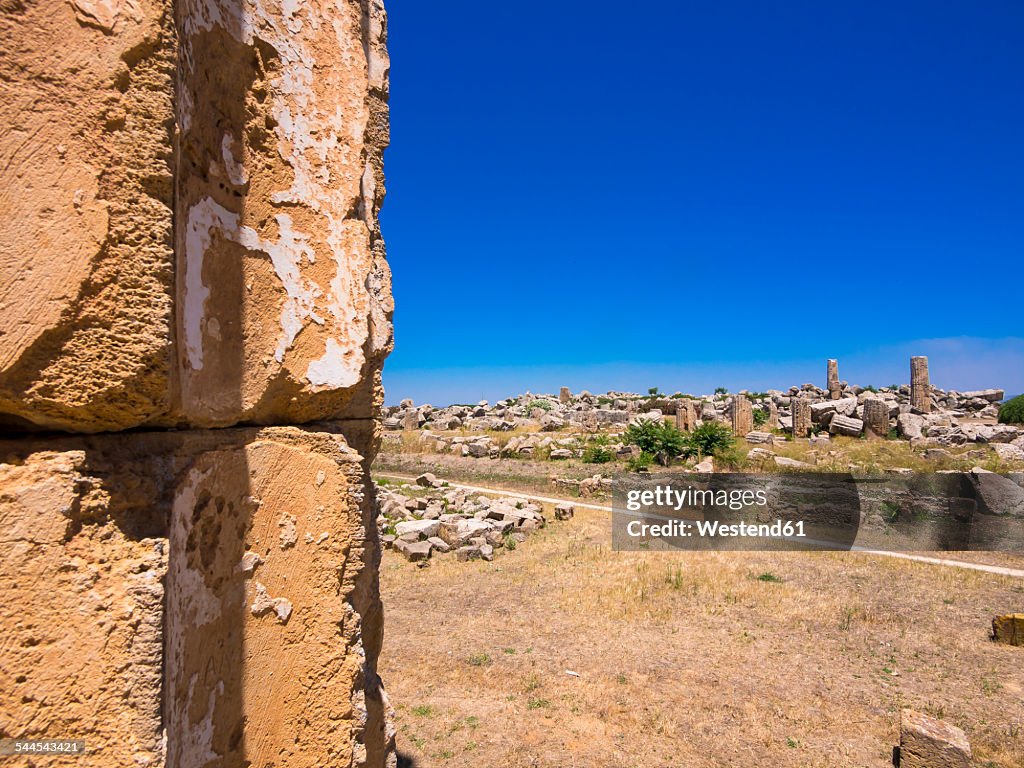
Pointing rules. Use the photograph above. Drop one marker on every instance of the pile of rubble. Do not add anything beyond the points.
(444, 520)
(917, 412)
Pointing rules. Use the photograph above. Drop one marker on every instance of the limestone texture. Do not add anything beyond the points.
(96, 528)
(191, 196)
(191, 265)
(284, 295)
(86, 241)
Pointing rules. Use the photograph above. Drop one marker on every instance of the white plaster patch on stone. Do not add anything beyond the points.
(235, 170)
(332, 370)
(263, 603)
(308, 121)
(286, 255)
(249, 562)
(368, 191)
(288, 533)
(197, 747)
(203, 218)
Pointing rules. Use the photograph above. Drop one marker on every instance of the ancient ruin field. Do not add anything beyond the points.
(510, 642)
(564, 653)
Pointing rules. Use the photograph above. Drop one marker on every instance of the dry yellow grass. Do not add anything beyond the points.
(691, 659)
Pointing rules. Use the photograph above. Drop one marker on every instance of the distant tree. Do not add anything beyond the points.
(1012, 411)
(652, 391)
(721, 391)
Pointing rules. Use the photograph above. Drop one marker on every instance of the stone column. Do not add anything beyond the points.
(773, 415)
(742, 414)
(686, 415)
(801, 410)
(193, 242)
(835, 389)
(564, 395)
(876, 417)
(920, 388)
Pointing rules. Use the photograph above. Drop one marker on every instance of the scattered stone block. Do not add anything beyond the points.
(845, 425)
(564, 511)
(926, 742)
(1009, 629)
(414, 551)
(428, 480)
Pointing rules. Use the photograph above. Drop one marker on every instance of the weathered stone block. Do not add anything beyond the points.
(801, 417)
(81, 607)
(845, 425)
(876, 417)
(1008, 629)
(741, 414)
(265, 647)
(86, 273)
(920, 386)
(284, 296)
(929, 743)
(228, 163)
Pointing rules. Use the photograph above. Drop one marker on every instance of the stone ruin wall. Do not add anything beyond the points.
(195, 307)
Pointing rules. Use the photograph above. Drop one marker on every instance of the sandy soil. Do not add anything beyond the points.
(686, 659)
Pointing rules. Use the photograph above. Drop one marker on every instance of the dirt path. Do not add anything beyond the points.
(945, 562)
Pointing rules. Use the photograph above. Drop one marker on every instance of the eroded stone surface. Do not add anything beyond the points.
(270, 652)
(86, 262)
(270, 301)
(283, 291)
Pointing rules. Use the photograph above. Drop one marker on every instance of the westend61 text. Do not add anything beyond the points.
(712, 528)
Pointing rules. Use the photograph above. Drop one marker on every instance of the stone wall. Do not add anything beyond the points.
(192, 243)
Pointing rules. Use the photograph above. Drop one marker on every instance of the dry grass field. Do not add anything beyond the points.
(687, 659)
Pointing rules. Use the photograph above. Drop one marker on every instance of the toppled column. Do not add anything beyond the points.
(832, 384)
(876, 417)
(741, 413)
(564, 395)
(920, 387)
(801, 409)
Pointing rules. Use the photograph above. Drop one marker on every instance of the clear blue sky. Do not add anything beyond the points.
(688, 195)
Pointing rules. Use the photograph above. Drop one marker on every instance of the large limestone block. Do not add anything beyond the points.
(81, 591)
(268, 300)
(264, 542)
(284, 296)
(86, 236)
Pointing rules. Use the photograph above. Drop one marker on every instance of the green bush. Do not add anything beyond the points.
(544, 405)
(708, 439)
(596, 453)
(760, 417)
(658, 438)
(1012, 411)
(639, 463)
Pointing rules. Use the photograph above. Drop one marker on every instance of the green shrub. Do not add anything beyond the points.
(639, 463)
(760, 417)
(596, 453)
(707, 439)
(652, 391)
(1012, 411)
(658, 438)
(721, 391)
(544, 405)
